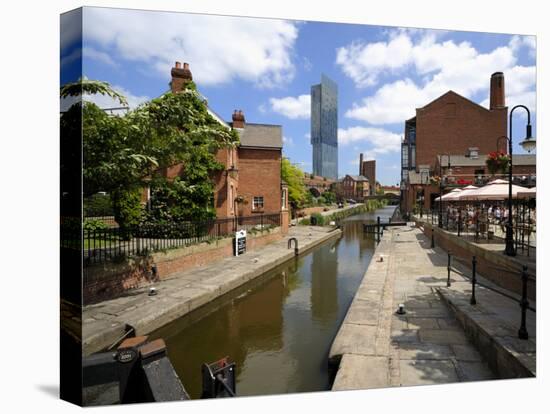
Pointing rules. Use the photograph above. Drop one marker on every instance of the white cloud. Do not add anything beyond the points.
(381, 141)
(91, 53)
(288, 141)
(218, 48)
(292, 107)
(364, 62)
(441, 66)
(71, 57)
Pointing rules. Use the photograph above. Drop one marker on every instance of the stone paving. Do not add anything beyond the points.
(103, 323)
(376, 347)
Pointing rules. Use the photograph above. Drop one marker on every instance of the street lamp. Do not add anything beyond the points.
(528, 144)
(440, 222)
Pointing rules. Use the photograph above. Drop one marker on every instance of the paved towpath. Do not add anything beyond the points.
(376, 347)
(183, 292)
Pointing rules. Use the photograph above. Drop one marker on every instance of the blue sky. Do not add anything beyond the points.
(266, 68)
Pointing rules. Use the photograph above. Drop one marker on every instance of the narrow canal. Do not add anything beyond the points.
(279, 328)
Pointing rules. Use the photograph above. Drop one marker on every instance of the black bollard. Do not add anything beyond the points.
(524, 303)
(433, 239)
(448, 269)
(473, 298)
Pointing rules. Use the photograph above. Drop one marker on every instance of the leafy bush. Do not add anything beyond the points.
(318, 219)
(98, 205)
(329, 197)
(94, 225)
(127, 208)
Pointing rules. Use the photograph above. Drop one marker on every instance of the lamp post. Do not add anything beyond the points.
(528, 144)
(440, 222)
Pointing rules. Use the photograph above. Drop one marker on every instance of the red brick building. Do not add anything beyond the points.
(355, 187)
(250, 183)
(454, 125)
(368, 169)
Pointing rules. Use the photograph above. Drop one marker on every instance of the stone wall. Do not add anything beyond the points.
(109, 280)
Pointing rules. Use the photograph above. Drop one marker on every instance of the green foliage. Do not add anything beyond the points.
(330, 197)
(126, 152)
(127, 207)
(98, 205)
(294, 177)
(183, 199)
(94, 225)
(318, 219)
(84, 86)
(321, 200)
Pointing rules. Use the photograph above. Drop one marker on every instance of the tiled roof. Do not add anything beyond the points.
(358, 177)
(261, 135)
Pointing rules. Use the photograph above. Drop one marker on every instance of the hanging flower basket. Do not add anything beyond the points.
(241, 200)
(434, 180)
(498, 161)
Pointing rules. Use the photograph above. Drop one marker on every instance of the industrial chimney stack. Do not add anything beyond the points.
(497, 100)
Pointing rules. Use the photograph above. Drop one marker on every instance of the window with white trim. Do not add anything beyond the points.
(258, 203)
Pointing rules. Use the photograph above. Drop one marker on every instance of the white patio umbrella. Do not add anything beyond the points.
(495, 190)
(530, 193)
(452, 195)
(465, 191)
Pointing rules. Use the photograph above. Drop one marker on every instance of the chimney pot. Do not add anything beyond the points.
(186, 65)
(178, 65)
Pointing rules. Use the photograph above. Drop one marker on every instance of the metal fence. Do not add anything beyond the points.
(468, 218)
(522, 274)
(103, 245)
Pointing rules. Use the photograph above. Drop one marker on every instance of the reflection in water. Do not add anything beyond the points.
(324, 286)
(279, 328)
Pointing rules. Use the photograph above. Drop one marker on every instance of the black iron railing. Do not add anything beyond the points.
(103, 245)
(484, 226)
(523, 301)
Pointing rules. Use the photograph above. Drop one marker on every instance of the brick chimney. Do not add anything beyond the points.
(497, 100)
(238, 119)
(180, 77)
(361, 164)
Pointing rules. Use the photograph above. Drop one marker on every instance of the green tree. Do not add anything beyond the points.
(125, 153)
(294, 177)
(330, 197)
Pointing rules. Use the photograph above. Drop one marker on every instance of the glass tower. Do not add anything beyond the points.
(324, 128)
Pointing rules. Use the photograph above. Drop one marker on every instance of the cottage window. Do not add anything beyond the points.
(258, 203)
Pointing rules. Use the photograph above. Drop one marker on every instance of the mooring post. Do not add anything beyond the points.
(433, 238)
(295, 245)
(378, 227)
(524, 303)
(473, 298)
(449, 268)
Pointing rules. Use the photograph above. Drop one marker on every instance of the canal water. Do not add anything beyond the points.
(279, 328)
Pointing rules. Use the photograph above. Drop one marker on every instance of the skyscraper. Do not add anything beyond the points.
(324, 128)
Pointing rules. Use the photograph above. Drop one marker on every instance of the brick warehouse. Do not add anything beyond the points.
(454, 125)
(250, 183)
(368, 169)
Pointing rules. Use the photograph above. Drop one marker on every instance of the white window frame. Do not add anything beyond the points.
(256, 200)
